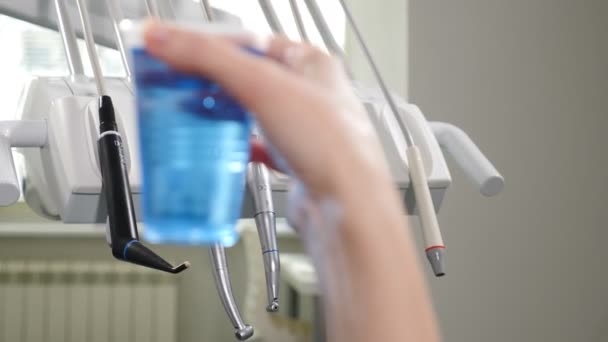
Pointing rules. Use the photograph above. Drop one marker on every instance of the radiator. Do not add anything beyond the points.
(74, 301)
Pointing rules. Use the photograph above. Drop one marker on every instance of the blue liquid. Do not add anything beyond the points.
(195, 150)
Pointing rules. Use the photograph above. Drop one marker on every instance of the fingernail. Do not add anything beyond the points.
(157, 33)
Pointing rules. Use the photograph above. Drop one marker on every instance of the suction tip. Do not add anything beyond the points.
(244, 333)
(273, 307)
(135, 252)
(436, 256)
(181, 267)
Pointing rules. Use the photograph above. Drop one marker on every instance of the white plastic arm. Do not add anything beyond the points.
(9, 184)
(469, 157)
(19, 133)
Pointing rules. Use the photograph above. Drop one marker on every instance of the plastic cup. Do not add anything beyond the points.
(194, 149)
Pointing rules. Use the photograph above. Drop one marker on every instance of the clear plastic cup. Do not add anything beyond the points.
(194, 150)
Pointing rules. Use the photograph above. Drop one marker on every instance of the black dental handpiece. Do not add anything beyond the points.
(123, 236)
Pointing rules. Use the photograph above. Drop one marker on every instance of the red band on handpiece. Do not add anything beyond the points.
(259, 154)
(434, 247)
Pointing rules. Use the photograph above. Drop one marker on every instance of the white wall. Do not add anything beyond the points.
(384, 27)
(528, 79)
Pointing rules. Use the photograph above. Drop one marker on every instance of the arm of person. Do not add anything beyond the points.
(356, 231)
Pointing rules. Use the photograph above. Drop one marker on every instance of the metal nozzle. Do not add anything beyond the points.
(436, 258)
(244, 334)
(258, 180)
(224, 289)
(273, 307)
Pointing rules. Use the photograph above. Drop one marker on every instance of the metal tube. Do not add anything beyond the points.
(258, 180)
(222, 284)
(409, 140)
(207, 10)
(69, 39)
(328, 38)
(271, 16)
(152, 8)
(324, 30)
(9, 182)
(90, 43)
(297, 17)
(115, 16)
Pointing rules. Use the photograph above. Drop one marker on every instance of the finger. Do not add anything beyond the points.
(306, 60)
(278, 46)
(287, 106)
(254, 81)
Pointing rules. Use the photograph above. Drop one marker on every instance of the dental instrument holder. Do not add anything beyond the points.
(123, 236)
(16, 134)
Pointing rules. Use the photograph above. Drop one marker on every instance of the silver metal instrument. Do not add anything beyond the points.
(69, 39)
(222, 283)
(258, 180)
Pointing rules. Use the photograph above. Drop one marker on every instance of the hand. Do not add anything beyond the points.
(300, 97)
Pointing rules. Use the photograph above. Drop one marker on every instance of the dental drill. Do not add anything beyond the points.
(434, 246)
(121, 228)
(265, 223)
(258, 180)
(222, 283)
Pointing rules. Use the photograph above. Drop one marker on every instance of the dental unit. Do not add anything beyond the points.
(78, 136)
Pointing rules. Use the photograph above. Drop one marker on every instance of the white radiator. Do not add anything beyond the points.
(56, 301)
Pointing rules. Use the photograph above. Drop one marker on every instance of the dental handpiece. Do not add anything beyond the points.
(222, 284)
(122, 236)
(258, 180)
(217, 253)
(122, 225)
(434, 246)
